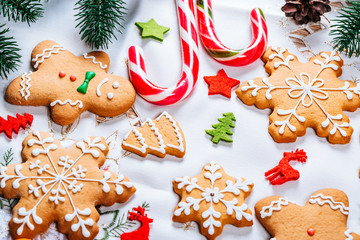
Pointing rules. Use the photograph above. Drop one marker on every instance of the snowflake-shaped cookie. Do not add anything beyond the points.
(303, 95)
(213, 199)
(324, 216)
(63, 185)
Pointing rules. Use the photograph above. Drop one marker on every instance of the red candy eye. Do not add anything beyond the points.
(73, 78)
(311, 231)
(62, 74)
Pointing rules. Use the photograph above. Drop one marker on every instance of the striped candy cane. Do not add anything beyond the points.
(190, 68)
(219, 51)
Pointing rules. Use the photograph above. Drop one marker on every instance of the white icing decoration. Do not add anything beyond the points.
(213, 195)
(268, 210)
(25, 85)
(43, 54)
(177, 131)
(95, 62)
(98, 92)
(139, 137)
(57, 184)
(116, 85)
(307, 90)
(67, 101)
(280, 54)
(321, 200)
(348, 234)
(110, 96)
(161, 147)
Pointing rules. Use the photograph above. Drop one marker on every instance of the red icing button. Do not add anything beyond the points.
(73, 78)
(62, 74)
(311, 231)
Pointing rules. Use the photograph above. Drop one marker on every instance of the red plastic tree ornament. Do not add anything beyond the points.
(283, 172)
(14, 124)
(143, 232)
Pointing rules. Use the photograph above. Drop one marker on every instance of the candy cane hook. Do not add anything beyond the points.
(190, 68)
(219, 51)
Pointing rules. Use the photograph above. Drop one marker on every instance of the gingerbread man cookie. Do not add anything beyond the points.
(324, 217)
(213, 199)
(63, 185)
(303, 95)
(70, 85)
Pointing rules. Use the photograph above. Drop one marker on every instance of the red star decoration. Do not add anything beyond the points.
(221, 84)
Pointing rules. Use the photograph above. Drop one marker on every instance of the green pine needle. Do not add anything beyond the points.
(99, 21)
(9, 56)
(9, 204)
(7, 157)
(22, 10)
(346, 31)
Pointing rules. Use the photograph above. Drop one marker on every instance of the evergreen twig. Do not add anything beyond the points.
(99, 20)
(8, 157)
(119, 224)
(22, 10)
(9, 53)
(346, 30)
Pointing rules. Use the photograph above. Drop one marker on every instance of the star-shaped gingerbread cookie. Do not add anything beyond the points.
(61, 184)
(213, 199)
(70, 85)
(324, 217)
(303, 95)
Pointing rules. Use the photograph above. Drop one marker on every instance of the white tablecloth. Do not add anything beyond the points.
(253, 151)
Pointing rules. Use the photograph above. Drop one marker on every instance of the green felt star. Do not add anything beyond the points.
(151, 29)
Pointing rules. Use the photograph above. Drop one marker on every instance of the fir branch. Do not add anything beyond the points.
(9, 56)
(22, 10)
(346, 31)
(9, 204)
(7, 157)
(99, 20)
(119, 224)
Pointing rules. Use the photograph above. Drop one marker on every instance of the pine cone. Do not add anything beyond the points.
(304, 11)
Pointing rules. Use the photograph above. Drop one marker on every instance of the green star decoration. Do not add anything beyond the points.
(151, 29)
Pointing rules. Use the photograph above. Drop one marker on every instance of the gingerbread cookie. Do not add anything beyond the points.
(324, 217)
(303, 95)
(159, 137)
(70, 85)
(213, 199)
(63, 185)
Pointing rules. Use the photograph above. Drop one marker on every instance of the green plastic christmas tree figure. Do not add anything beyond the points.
(222, 130)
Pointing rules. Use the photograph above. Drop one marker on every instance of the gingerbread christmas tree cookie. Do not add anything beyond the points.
(70, 85)
(213, 199)
(158, 137)
(324, 216)
(63, 185)
(303, 95)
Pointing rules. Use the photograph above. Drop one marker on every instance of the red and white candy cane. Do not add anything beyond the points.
(190, 68)
(219, 51)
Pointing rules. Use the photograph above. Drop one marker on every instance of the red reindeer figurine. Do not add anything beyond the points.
(143, 232)
(284, 172)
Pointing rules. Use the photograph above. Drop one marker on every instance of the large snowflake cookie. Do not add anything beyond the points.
(324, 217)
(70, 85)
(213, 199)
(63, 185)
(159, 137)
(303, 95)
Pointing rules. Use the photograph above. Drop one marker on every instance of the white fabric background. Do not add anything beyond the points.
(253, 151)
